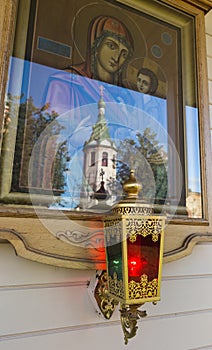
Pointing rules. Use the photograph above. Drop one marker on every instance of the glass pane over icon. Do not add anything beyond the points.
(93, 92)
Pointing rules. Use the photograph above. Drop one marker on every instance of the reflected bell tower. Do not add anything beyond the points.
(99, 162)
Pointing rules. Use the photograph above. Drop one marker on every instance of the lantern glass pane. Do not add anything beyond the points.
(143, 258)
(114, 258)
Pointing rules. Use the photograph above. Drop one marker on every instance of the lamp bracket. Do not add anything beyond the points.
(105, 305)
(129, 317)
(98, 291)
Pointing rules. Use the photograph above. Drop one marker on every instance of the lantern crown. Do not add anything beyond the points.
(131, 187)
(131, 204)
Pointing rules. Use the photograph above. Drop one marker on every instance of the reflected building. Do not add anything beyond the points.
(194, 204)
(99, 166)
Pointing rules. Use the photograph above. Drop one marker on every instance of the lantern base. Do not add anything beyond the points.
(105, 306)
(129, 317)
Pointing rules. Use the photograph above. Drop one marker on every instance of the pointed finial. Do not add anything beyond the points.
(101, 104)
(101, 90)
(131, 186)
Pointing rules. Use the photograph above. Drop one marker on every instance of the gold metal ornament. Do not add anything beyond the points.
(134, 249)
(129, 317)
(105, 303)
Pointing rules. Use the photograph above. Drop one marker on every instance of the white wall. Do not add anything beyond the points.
(45, 307)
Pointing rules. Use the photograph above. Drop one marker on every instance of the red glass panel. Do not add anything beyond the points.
(143, 258)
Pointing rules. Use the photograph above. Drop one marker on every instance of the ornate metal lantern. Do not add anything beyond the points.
(134, 249)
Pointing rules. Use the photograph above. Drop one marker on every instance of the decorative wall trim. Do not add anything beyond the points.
(23, 249)
(84, 239)
(187, 246)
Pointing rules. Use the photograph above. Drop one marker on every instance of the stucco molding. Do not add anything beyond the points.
(187, 246)
(41, 254)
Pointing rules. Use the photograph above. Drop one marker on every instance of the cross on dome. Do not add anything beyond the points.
(101, 90)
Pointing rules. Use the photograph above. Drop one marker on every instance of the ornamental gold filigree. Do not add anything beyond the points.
(143, 226)
(113, 230)
(129, 317)
(106, 304)
(116, 286)
(143, 289)
(82, 239)
(133, 210)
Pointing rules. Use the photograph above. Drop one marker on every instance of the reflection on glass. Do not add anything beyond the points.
(75, 151)
(193, 200)
(74, 147)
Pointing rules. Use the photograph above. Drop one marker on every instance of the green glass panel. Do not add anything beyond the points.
(114, 257)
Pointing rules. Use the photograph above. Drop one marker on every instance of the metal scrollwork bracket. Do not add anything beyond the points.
(98, 291)
(129, 317)
(105, 305)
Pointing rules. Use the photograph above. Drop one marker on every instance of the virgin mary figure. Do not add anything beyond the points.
(109, 48)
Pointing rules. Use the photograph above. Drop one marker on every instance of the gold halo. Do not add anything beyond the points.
(145, 62)
(86, 13)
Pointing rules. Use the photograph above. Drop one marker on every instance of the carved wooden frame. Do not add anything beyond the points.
(26, 228)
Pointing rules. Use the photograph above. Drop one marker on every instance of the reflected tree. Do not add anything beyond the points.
(149, 160)
(32, 121)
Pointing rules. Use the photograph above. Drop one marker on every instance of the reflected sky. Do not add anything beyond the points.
(127, 113)
(193, 149)
(38, 78)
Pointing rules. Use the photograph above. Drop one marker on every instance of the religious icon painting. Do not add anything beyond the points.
(104, 87)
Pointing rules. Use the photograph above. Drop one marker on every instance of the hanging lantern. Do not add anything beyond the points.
(134, 250)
